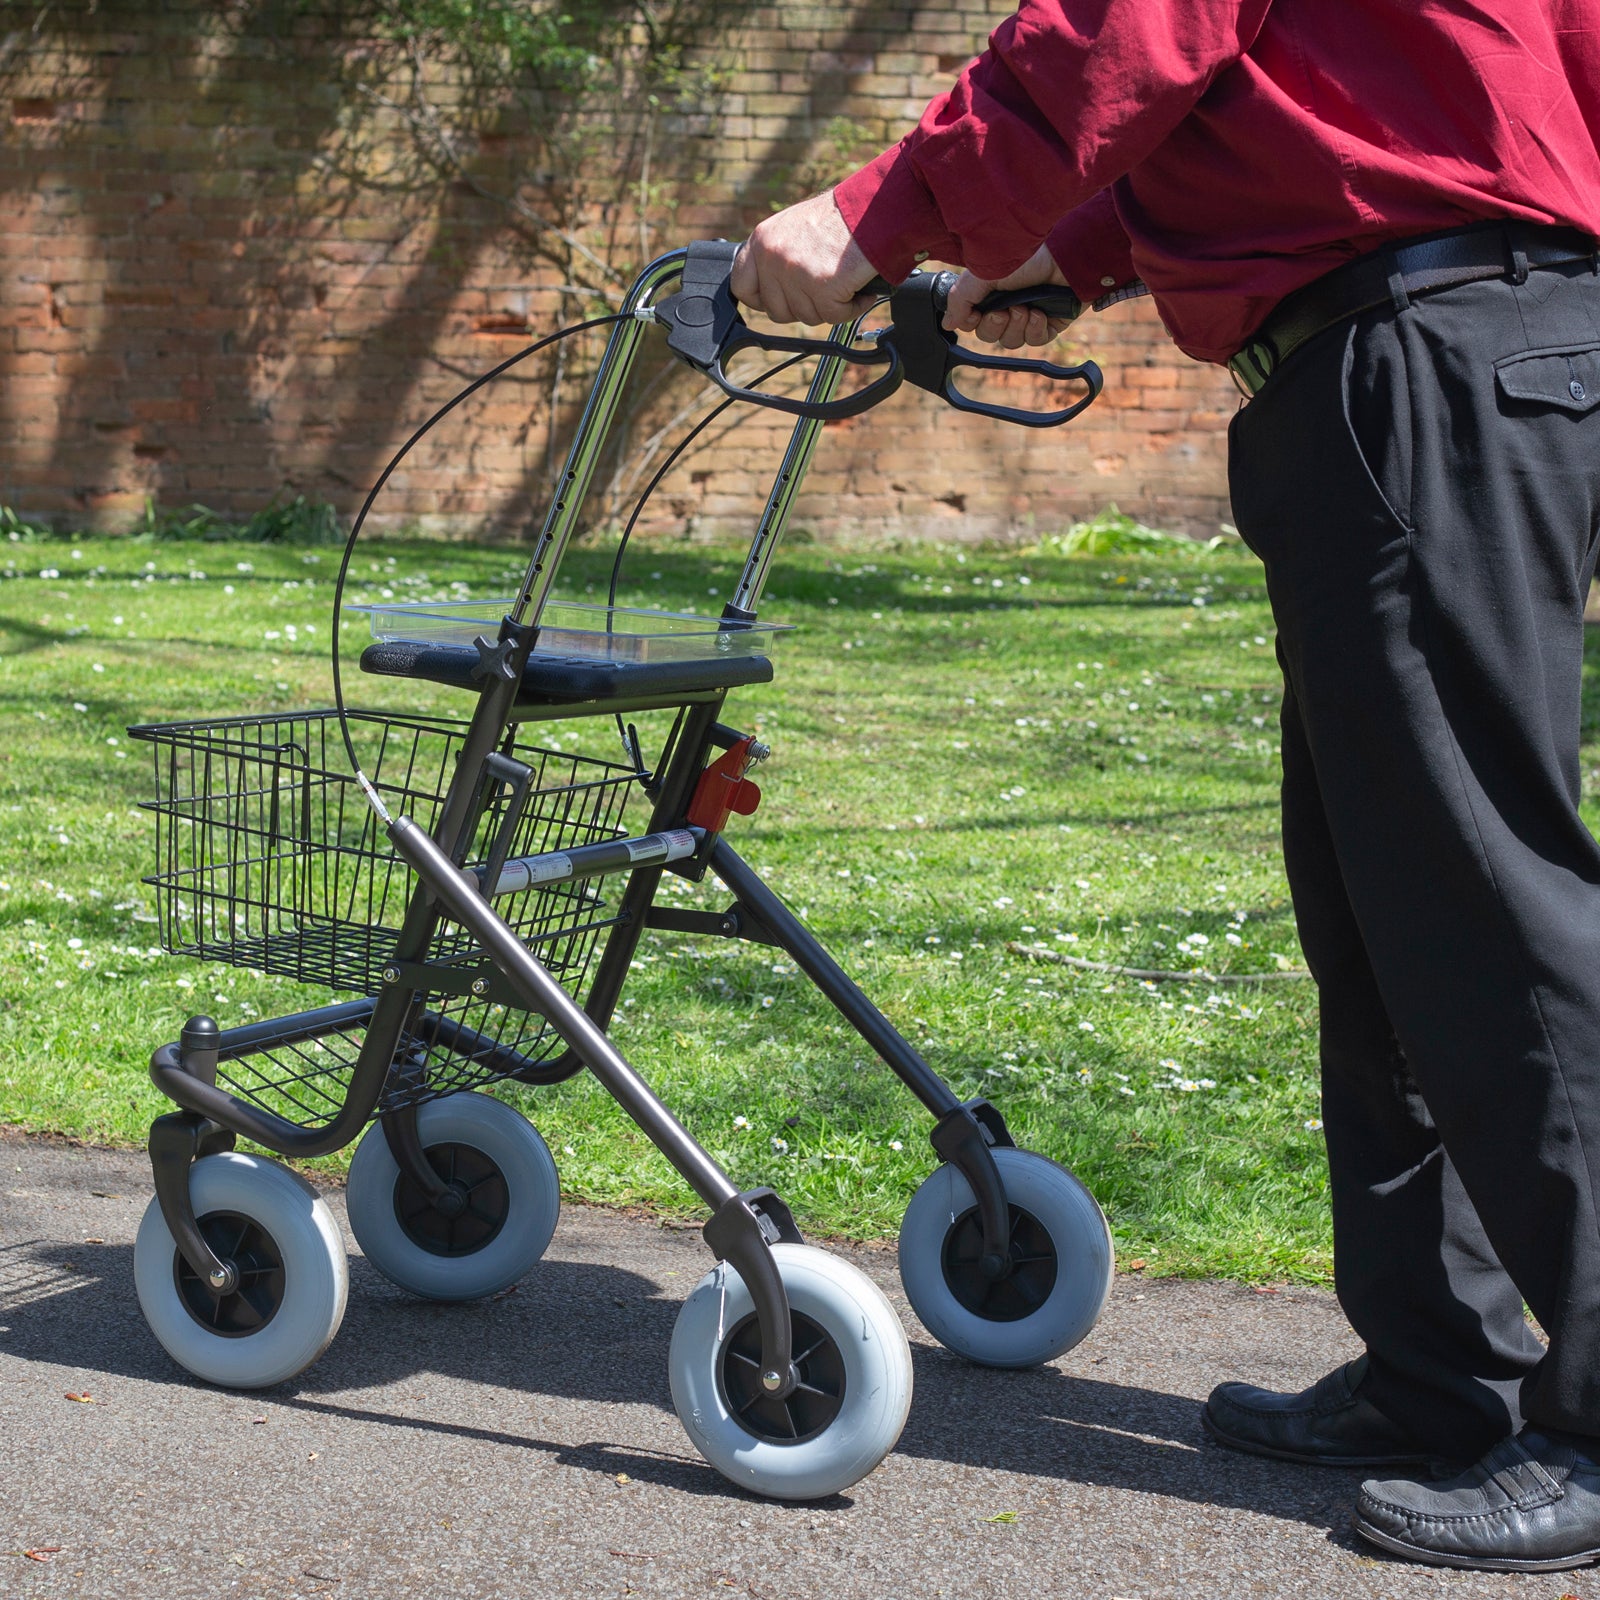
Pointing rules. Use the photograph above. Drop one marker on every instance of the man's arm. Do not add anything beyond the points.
(1069, 96)
(1088, 251)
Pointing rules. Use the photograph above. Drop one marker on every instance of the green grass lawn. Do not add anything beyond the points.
(973, 750)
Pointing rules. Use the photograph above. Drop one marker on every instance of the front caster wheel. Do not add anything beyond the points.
(855, 1378)
(1060, 1271)
(282, 1240)
(499, 1210)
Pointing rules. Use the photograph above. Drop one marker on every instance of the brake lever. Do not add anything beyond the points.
(744, 337)
(932, 356)
(704, 329)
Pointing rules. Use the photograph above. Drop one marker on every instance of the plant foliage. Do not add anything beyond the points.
(583, 120)
(1112, 533)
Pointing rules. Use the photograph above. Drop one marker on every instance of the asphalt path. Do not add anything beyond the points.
(527, 1446)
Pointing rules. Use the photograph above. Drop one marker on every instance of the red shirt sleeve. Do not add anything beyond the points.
(1070, 95)
(1092, 249)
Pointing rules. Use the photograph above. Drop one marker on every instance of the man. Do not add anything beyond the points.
(1383, 216)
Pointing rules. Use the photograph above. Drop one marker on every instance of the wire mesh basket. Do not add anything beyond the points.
(269, 858)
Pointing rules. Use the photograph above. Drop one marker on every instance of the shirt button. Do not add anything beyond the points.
(921, 255)
(1577, 390)
(1108, 282)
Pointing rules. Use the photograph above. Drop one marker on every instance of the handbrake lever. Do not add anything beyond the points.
(705, 329)
(932, 355)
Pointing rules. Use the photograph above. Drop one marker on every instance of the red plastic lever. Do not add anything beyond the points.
(724, 789)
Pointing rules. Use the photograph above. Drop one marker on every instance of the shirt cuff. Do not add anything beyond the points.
(1092, 249)
(893, 218)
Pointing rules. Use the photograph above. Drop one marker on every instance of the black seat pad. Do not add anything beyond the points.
(557, 679)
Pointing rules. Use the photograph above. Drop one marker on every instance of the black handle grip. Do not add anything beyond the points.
(1054, 299)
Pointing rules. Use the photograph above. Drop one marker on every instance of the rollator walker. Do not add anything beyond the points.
(480, 898)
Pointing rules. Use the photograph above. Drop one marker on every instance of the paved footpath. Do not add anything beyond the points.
(527, 1446)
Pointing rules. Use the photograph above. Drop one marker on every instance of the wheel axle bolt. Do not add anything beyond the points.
(218, 1279)
(771, 1380)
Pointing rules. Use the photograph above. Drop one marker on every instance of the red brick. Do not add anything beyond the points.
(171, 269)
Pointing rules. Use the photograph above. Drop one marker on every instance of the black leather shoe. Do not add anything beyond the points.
(1531, 1505)
(1327, 1425)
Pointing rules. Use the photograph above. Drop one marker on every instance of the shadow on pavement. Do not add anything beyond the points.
(576, 1331)
(1048, 1423)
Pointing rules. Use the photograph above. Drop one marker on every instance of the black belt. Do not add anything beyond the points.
(1397, 273)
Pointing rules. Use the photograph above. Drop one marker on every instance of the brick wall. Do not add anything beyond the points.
(194, 307)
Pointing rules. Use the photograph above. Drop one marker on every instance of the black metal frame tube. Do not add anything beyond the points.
(672, 800)
(266, 1127)
(792, 935)
(174, 1074)
(964, 1131)
(540, 992)
(738, 1235)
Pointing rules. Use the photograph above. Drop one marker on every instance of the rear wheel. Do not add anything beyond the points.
(289, 1262)
(502, 1198)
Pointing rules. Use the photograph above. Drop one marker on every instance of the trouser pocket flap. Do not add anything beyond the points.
(1568, 377)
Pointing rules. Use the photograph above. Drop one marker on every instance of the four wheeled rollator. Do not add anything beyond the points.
(449, 875)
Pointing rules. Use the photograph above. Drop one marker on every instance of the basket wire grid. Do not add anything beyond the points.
(269, 858)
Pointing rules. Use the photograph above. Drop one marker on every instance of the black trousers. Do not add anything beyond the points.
(1423, 485)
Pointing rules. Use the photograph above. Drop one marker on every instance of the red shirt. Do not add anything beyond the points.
(1228, 152)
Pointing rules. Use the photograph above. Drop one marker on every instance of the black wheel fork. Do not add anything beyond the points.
(177, 1140)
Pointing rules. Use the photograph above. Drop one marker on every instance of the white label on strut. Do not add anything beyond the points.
(671, 846)
(543, 869)
(518, 875)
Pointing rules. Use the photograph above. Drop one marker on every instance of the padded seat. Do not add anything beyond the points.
(561, 680)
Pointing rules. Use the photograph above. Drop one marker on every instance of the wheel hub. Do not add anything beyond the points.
(1024, 1284)
(468, 1215)
(256, 1266)
(809, 1408)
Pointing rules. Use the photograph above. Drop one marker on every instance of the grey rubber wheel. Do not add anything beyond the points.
(855, 1369)
(1062, 1264)
(507, 1200)
(293, 1275)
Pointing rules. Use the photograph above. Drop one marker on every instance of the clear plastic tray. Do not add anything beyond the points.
(570, 628)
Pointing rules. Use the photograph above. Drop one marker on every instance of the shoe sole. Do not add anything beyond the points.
(1250, 1448)
(1441, 1558)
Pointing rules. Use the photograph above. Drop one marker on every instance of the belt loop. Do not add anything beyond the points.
(1515, 241)
(1397, 283)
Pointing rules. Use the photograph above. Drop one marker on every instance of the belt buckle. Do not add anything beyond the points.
(1252, 366)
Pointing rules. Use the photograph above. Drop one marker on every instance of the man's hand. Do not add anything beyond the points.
(1021, 324)
(803, 265)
